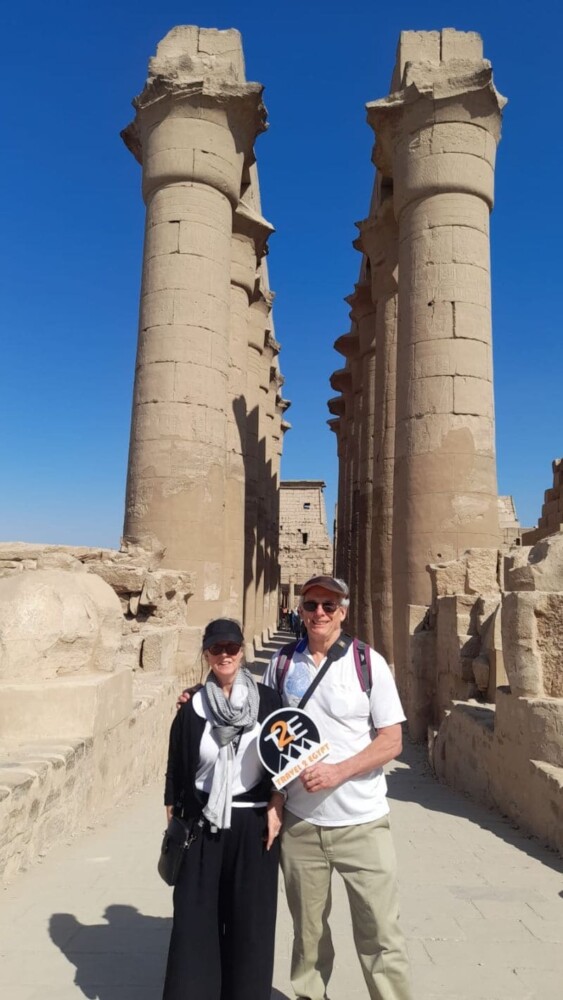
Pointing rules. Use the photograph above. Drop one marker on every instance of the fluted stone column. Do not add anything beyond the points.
(250, 233)
(196, 121)
(378, 239)
(437, 137)
(363, 315)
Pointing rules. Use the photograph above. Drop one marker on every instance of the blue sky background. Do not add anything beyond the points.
(72, 221)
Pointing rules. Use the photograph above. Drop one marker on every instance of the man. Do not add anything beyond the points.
(336, 813)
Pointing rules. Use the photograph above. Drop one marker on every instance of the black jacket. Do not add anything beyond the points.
(183, 758)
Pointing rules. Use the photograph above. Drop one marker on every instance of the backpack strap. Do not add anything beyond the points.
(285, 657)
(362, 663)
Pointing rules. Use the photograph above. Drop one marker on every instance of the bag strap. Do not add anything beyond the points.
(338, 649)
(362, 661)
(284, 660)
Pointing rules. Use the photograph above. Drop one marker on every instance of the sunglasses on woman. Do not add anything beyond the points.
(230, 648)
(329, 607)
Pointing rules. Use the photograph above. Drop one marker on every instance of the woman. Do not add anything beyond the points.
(222, 944)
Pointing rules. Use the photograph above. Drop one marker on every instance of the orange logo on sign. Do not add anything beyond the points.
(286, 736)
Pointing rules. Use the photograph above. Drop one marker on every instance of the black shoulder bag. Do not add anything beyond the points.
(178, 838)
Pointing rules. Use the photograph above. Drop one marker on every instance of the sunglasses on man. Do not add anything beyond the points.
(230, 648)
(329, 607)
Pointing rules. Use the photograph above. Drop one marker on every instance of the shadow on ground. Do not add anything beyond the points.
(263, 656)
(123, 957)
(416, 783)
(127, 951)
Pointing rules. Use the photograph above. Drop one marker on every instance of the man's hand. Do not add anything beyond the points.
(183, 698)
(169, 813)
(321, 777)
(274, 815)
(187, 694)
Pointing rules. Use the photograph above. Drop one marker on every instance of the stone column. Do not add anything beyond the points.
(363, 315)
(337, 406)
(437, 137)
(341, 381)
(253, 565)
(378, 239)
(250, 233)
(269, 486)
(280, 405)
(196, 121)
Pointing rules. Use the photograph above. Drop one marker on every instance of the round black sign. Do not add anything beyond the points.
(288, 737)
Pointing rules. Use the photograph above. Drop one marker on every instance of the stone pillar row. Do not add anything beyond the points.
(415, 419)
(202, 432)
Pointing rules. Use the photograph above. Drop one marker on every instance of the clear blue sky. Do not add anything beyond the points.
(72, 221)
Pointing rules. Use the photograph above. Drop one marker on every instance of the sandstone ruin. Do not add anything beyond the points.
(473, 627)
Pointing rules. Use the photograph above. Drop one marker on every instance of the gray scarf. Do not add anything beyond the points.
(228, 721)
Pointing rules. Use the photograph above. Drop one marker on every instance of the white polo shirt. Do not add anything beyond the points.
(349, 721)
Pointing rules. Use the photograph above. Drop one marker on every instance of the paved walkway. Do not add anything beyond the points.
(482, 907)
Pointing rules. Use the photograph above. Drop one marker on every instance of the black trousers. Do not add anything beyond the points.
(222, 943)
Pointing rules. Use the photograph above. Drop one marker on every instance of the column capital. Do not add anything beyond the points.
(341, 380)
(438, 133)
(250, 224)
(258, 326)
(348, 344)
(196, 118)
(360, 301)
(272, 344)
(337, 406)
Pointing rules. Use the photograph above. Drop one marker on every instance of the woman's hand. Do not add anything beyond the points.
(169, 813)
(274, 815)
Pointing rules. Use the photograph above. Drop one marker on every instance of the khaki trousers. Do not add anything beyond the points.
(365, 857)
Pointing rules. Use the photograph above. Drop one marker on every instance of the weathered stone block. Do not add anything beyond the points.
(66, 707)
(158, 652)
(482, 571)
(53, 623)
